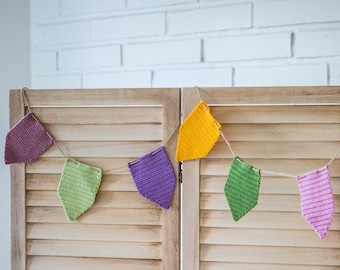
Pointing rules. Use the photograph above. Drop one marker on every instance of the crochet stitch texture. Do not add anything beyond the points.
(154, 177)
(78, 187)
(317, 202)
(242, 188)
(198, 134)
(26, 141)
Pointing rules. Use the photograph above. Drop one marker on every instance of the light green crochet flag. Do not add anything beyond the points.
(78, 187)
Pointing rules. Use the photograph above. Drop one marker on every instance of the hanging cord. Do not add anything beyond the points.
(227, 142)
(279, 174)
(26, 104)
(24, 99)
(154, 152)
(334, 157)
(224, 137)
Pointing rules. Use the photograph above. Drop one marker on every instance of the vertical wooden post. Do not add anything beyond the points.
(171, 224)
(191, 195)
(18, 193)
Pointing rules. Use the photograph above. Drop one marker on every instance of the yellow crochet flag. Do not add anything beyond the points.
(198, 134)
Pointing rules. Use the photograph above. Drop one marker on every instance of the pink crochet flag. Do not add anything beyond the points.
(26, 141)
(317, 203)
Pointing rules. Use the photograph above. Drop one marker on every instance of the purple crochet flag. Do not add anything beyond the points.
(154, 177)
(317, 203)
(26, 141)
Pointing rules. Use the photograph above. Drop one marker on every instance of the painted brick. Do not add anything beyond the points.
(42, 9)
(56, 82)
(94, 57)
(154, 3)
(299, 75)
(211, 19)
(296, 12)
(323, 43)
(90, 6)
(129, 26)
(43, 62)
(187, 51)
(135, 79)
(335, 72)
(61, 33)
(192, 77)
(248, 47)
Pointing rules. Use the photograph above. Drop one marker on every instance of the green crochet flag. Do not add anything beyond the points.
(78, 187)
(242, 188)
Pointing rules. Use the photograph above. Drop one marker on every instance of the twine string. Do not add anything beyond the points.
(334, 157)
(228, 144)
(24, 99)
(198, 92)
(27, 104)
(172, 134)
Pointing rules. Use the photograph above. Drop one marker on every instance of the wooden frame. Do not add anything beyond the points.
(211, 239)
(153, 112)
(68, 113)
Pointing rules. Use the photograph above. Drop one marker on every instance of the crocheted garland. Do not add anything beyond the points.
(26, 141)
(78, 187)
(154, 177)
(242, 188)
(317, 202)
(198, 134)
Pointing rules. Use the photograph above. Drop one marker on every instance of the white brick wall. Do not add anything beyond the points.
(159, 43)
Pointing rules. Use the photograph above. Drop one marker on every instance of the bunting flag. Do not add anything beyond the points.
(198, 134)
(78, 187)
(154, 177)
(26, 141)
(242, 188)
(317, 202)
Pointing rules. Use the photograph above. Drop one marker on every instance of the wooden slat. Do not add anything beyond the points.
(267, 237)
(221, 167)
(277, 114)
(98, 116)
(298, 150)
(283, 132)
(72, 263)
(270, 95)
(132, 132)
(97, 249)
(97, 216)
(258, 219)
(51, 181)
(81, 97)
(280, 255)
(103, 199)
(266, 202)
(84, 232)
(261, 266)
(55, 165)
(102, 149)
(269, 185)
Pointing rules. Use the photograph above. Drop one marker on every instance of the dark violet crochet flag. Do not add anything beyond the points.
(26, 141)
(154, 177)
